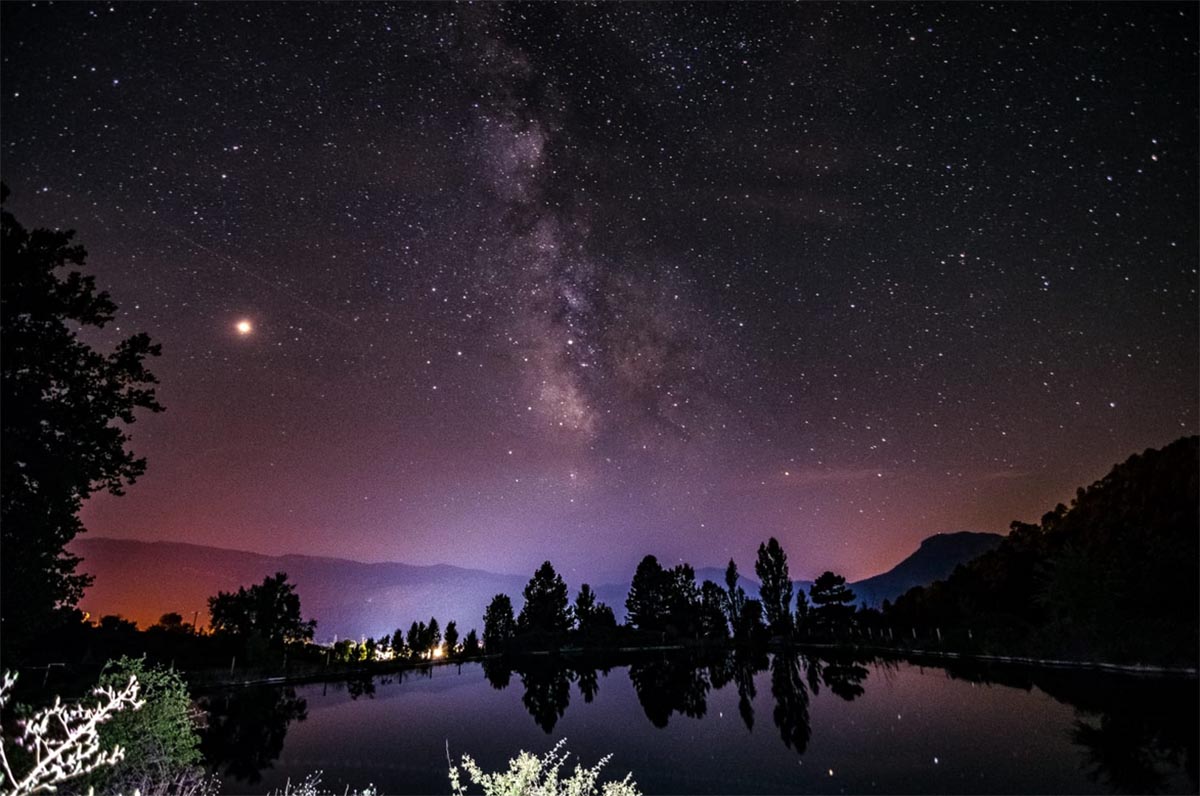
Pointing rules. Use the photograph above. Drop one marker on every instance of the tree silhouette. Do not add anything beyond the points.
(776, 589)
(433, 636)
(801, 621)
(451, 637)
(62, 402)
(416, 638)
(499, 627)
(833, 601)
(735, 596)
(592, 616)
(270, 610)
(683, 600)
(751, 624)
(712, 615)
(471, 644)
(545, 610)
(646, 604)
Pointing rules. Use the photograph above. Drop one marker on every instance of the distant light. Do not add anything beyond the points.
(244, 327)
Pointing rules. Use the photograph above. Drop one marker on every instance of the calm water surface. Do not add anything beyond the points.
(733, 724)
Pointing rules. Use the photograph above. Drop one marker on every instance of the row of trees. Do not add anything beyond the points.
(668, 602)
(422, 642)
(546, 614)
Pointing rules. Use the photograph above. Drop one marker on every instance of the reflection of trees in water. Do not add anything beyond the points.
(1133, 733)
(844, 676)
(668, 685)
(1134, 748)
(739, 667)
(588, 683)
(361, 686)
(246, 728)
(497, 672)
(547, 693)
(791, 701)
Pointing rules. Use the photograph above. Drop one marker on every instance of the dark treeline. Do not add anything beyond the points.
(668, 606)
(1113, 577)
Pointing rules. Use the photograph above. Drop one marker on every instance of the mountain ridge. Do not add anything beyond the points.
(351, 598)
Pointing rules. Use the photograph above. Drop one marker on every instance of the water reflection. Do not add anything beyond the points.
(1132, 735)
(547, 692)
(791, 701)
(245, 729)
(670, 684)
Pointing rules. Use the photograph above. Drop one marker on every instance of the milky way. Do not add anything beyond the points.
(585, 282)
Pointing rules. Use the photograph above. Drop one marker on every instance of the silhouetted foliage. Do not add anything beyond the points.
(471, 644)
(270, 610)
(433, 636)
(594, 618)
(832, 600)
(451, 637)
(668, 601)
(499, 627)
(646, 604)
(735, 596)
(171, 623)
(115, 623)
(801, 621)
(711, 613)
(62, 403)
(1114, 575)
(751, 627)
(546, 610)
(771, 566)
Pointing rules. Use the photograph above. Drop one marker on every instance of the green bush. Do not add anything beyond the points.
(162, 747)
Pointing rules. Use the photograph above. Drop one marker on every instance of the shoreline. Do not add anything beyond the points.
(910, 655)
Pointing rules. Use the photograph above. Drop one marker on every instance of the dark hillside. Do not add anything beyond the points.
(1114, 575)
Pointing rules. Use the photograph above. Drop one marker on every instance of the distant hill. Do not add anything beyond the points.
(350, 599)
(143, 580)
(934, 560)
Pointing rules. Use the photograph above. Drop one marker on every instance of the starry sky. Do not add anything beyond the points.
(586, 282)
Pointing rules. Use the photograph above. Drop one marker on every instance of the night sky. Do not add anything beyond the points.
(589, 282)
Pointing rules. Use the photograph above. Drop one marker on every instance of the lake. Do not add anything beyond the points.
(730, 723)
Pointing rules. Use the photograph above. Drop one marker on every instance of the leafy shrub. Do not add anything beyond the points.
(529, 775)
(162, 747)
